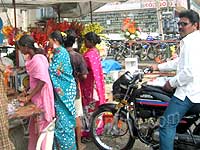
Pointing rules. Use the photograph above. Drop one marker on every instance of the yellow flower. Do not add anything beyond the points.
(7, 30)
(92, 27)
(63, 34)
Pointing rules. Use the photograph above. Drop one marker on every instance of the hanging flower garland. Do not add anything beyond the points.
(9, 33)
(12, 34)
(130, 29)
(7, 30)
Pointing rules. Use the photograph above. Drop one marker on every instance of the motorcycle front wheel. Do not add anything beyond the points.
(108, 134)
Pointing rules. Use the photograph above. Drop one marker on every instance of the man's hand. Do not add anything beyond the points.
(167, 87)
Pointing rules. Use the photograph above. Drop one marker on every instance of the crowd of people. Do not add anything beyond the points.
(70, 86)
(63, 86)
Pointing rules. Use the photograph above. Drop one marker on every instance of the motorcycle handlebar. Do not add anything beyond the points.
(138, 75)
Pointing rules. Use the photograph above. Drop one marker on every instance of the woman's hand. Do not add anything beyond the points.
(24, 99)
(22, 94)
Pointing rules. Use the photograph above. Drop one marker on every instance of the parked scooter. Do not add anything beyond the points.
(135, 115)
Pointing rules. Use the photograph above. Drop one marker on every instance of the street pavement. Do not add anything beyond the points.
(137, 146)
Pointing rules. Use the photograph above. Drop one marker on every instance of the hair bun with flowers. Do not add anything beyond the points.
(64, 35)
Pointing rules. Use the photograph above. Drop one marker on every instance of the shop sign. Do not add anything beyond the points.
(162, 3)
(181, 3)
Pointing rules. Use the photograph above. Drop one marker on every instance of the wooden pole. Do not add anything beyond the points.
(15, 27)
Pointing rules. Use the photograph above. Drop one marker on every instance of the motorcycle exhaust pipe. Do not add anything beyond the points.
(186, 138)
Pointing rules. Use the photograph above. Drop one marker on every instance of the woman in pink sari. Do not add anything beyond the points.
(92, 88)
(41, 90)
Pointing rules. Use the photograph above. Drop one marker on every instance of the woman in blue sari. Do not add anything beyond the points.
(65, 92)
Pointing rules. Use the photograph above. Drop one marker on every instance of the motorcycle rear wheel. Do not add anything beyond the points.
(107, 137)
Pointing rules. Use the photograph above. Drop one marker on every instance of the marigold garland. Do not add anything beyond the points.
(7, 30)
(12, 34)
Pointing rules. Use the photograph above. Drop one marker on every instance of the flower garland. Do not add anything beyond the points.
(130, 29)
(12, 34)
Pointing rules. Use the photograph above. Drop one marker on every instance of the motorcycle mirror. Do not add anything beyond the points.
(148, 70)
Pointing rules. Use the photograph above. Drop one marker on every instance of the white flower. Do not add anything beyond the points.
(127, 33)
(132, 36)
(36, 45)
(137, 33)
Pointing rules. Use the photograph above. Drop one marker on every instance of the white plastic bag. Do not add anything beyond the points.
(48, 132)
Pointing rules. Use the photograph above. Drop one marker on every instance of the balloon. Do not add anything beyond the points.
(1, 23)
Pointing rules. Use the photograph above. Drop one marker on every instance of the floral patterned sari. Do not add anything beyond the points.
(65, 88)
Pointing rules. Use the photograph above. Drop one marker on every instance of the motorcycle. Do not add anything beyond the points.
(134, 114)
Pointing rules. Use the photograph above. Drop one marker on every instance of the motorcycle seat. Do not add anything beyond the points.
(195, 109)
(156, 89)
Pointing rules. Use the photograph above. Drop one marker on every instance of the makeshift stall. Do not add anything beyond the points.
(19, 125)
(15, 82)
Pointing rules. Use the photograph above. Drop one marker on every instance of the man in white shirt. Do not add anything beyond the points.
(186, 81)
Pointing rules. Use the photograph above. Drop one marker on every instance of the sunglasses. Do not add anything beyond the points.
(183, 24)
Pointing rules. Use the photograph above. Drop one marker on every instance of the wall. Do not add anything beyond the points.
(24, 18)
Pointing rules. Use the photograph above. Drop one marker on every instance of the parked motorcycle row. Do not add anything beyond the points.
(144, 50)
(134, 114)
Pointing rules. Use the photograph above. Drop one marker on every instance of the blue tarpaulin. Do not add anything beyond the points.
(110, 65)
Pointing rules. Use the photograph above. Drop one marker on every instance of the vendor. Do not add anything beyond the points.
(5, 143)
